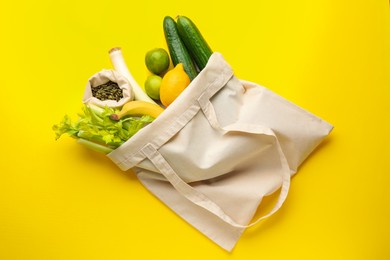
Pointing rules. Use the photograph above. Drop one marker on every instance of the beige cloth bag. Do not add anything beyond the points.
(220, 148)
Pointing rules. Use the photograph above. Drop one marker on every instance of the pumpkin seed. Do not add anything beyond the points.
(107, 91)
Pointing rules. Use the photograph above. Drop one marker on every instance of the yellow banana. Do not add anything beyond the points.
(138, 108)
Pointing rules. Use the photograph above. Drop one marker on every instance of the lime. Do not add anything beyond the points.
(157, 61)
(152, 86)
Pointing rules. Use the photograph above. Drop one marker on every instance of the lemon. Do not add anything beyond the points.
(172, 84)
(152, 86)
(157, 61)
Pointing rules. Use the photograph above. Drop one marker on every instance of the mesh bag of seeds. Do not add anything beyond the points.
(108, 88)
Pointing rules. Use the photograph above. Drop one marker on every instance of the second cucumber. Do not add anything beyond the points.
(194, 41)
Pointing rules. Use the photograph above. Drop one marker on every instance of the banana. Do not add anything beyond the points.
(138, 108)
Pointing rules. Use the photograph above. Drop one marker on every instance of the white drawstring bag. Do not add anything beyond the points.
(103, 77)
(219, 148)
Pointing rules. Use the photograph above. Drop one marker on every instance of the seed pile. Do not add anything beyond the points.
(107, 91)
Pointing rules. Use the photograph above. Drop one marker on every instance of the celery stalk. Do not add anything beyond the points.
(94, 146)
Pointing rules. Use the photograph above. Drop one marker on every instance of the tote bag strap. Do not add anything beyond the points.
(201, 199)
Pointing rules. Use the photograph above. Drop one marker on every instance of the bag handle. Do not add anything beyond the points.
(209, 111)
(201, 199)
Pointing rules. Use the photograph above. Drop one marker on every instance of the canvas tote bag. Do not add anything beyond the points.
(219, 148)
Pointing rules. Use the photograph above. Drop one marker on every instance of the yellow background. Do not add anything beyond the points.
(61, 201)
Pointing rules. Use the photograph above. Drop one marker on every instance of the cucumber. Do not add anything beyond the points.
(199, 50)
(177, 49)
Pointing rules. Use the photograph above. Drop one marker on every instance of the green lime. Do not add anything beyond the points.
(152, 86)
(157, 61)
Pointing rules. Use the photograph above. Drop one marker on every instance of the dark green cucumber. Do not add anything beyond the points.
(177, 49)
(199, 50)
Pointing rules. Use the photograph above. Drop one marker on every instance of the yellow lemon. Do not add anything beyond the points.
(172, 84)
